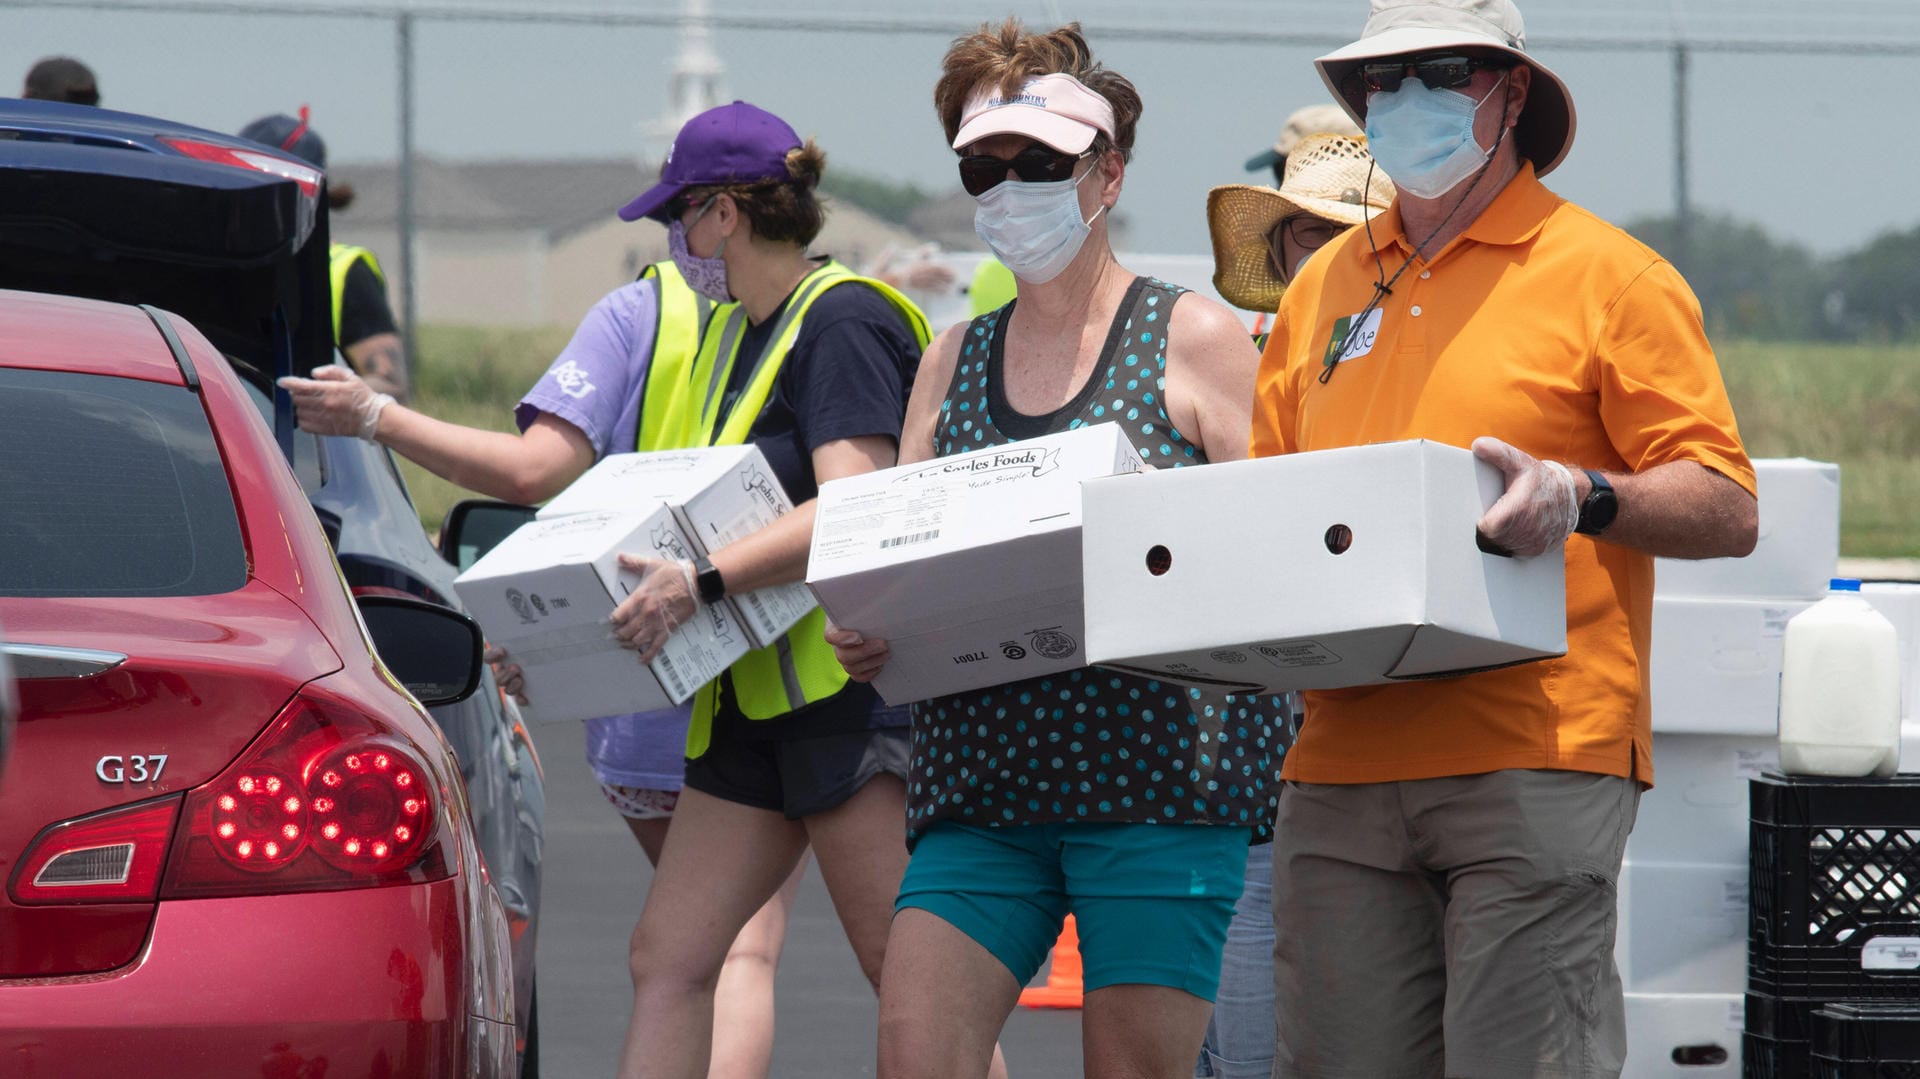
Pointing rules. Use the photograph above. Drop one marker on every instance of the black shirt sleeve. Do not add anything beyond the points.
(851, 367)
(363, 306)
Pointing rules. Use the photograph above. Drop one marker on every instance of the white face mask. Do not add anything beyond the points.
(1423, 138)
(1034, 229)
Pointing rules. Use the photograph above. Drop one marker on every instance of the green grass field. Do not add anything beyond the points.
(1856, 405)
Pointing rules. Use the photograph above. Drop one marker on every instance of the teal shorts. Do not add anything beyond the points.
(1151, 901)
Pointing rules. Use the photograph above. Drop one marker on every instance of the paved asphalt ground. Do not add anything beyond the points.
(596, 878)
(595, 881)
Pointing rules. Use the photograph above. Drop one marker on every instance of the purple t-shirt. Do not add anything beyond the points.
(596, 380)
(594, 384)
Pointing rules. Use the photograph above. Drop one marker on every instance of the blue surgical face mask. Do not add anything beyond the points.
(707, 276)
(1035, 229)
(1423, 139)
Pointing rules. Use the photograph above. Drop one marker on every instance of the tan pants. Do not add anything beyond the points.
(1459, 927)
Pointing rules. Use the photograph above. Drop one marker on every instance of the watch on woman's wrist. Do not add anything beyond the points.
(707, 581)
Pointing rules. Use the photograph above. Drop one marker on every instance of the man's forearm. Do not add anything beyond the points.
(1679, 510)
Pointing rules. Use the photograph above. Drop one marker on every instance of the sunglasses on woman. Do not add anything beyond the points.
(1434, 72)
(981, 173)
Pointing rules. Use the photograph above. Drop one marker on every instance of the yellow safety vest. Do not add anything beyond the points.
(340, 259)
(800, 668)
(678, 331)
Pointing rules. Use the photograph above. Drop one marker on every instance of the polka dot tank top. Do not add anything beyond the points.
(1090, 744)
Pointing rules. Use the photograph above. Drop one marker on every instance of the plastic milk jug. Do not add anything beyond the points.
(1840, 688)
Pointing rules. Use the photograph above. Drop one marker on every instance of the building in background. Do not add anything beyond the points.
(536, 243)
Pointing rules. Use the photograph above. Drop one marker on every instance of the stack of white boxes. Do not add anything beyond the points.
(545, 593)
(1718, 627)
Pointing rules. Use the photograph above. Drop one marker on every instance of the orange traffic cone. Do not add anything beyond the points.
(1063, 977)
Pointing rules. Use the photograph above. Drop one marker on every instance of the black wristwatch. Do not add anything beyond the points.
(1600, 507)
(707, 581)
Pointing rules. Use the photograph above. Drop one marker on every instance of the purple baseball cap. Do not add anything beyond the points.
(730, 144)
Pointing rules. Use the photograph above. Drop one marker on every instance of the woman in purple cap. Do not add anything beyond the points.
(738, 188)
(813, 365)
(1126, 801)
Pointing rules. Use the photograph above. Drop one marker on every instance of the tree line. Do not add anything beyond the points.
(1754, 287)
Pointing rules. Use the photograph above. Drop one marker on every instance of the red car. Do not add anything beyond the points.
(233, 842)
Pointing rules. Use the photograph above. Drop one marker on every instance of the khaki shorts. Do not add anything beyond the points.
(1459, 927)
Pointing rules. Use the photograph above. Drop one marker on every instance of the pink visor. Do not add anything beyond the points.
(1055, 109)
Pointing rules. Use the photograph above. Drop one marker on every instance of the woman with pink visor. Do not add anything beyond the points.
(1125, 801)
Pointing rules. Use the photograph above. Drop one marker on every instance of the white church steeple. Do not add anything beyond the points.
(695, 85)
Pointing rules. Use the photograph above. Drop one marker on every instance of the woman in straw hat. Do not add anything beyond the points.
(1125, 800)
(1261, 237)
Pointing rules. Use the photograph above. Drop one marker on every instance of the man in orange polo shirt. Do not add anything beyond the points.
(1446, 852)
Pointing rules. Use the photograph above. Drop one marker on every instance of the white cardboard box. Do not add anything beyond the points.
(718, 494)
(1715, 663)
(1682, 927)
(1681, 1035)
(1900, 602)
(1312, 571)
(1799, 544)
(545, 594)
(968, 565)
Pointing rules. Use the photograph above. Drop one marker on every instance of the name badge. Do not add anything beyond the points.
(1347, 343)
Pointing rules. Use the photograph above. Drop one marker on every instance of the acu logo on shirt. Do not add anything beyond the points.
(573, 380)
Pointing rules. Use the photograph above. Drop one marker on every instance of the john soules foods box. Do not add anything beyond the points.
(1312, 571)
(1799, 540)
(718, 494)
(545, 595)
(968, 565)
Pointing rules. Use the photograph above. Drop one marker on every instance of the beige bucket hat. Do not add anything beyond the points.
(1327, 176)
(1320, 119)
(1471, 28)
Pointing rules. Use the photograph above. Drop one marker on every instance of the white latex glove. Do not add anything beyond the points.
(335, 401)
(660, 604)
(1538, 511)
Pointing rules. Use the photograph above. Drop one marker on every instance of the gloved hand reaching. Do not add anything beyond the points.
(335, 401)
(1538, 510)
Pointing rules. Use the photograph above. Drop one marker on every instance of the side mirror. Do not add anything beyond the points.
(432, 650)
(476, 526)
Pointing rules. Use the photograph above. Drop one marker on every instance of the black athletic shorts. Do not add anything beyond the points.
(804, 763)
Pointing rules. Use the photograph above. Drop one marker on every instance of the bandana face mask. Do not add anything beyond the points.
(706, 276)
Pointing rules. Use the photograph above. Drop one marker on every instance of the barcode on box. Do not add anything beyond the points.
(677, 686)
(917, 537)
(759, 608)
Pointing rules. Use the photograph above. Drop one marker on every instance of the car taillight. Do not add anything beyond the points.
(327, 798)
(306, 176)
(110, 857)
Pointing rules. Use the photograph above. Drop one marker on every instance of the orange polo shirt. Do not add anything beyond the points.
(1548, 328)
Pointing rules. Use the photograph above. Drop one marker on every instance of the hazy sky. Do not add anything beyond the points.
(1820, 148)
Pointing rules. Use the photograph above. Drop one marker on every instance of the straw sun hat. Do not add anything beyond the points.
(1327, 176)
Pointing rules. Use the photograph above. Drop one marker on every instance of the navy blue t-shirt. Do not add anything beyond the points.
(847, 376)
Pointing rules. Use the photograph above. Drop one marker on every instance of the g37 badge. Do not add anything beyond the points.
(134, 769)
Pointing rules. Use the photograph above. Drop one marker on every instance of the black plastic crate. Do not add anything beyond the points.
(1866, 1041)
(1777, 1041)
(1834, 887)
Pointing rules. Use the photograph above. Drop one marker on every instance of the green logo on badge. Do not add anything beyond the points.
(1338, 339)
